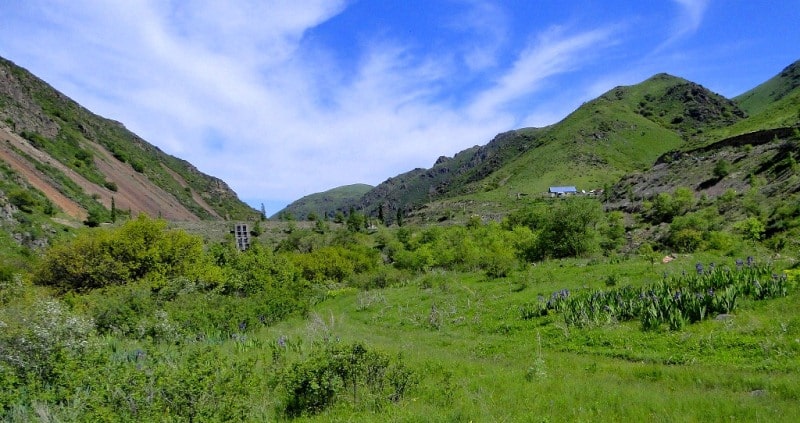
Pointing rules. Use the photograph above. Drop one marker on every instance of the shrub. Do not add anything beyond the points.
(751, 228)
(341, 372)
(686, 240)
(140, 248)
(570, 229)
(22, 199)
(37, 335)
(722, 168)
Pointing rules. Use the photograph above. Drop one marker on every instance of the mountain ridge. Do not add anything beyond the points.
(623, 130)
(96, 164)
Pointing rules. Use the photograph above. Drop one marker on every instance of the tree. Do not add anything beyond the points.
(113, 210)
(338, 217)
(570, 230)
(399, 217)
(256, 230)
(356, 221)
(95, 218)
(614, 231)
(141, 248)
(263, 212)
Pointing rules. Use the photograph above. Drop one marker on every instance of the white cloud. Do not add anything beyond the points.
(692, 12)
(689, 19)
(552, 53)
(230, 87)
(486, 25)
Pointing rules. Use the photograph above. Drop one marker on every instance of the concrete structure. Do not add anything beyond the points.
(242, 236)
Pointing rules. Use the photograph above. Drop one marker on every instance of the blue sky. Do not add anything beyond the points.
(284, 98)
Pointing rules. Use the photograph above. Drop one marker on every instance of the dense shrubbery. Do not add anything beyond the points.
(140, 248)
(568, 228)
(341, 372)
(164, 315)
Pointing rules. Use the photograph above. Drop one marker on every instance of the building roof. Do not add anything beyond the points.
(563, 190)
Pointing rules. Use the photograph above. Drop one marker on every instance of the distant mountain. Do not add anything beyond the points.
(324, 203)
(624, 130)
(77, 165)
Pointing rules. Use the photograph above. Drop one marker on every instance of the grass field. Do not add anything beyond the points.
(478, 360)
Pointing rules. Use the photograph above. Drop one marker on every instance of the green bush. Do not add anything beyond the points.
(570, 229)
(37, 334)
(722, 169)
(137, 166)
(341, 373)
(326, 264)
(140, 248)
(22, 199)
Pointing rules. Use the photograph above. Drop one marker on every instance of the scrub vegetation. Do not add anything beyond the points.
(546, 315)
(668, 291)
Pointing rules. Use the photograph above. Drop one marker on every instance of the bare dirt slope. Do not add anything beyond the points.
(195, 196)
(37, 179)
(134, 191)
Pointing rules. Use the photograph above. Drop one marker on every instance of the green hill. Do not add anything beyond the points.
(324, 203)
(674, 298)
(624, 130)
(77, 166)
(773, 104)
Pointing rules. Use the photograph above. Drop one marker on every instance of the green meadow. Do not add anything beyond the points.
(530, 319)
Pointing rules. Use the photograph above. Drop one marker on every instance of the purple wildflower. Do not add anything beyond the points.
(699, 268)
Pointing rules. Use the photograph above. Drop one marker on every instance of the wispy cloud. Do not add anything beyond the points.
(552, 53)
(235, 90)
(688, 21)
(486, 27)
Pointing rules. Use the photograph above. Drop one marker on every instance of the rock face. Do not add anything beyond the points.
(18, 110)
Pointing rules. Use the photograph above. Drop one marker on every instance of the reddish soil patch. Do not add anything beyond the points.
(134, 191)
(40, 181)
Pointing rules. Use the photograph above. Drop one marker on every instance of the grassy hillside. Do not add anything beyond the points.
(623, 131)
(671, 297)
(763, 97)
(773, 104)
(98, 155)
(326, 203)
(407, 324)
